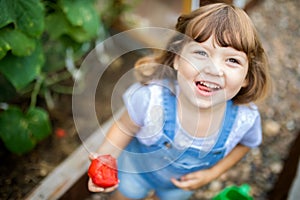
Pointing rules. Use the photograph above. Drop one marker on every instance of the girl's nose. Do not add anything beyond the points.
(213, 69)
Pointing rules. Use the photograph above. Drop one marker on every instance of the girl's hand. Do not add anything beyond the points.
(93, 155)
(94, 188)
(200, 178)
(193, 180)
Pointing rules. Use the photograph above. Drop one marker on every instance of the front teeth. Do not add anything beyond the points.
(210, 85)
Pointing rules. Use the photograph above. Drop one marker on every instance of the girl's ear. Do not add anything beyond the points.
(245, 83)
(176, 61)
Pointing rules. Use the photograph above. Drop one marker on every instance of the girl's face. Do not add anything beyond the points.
(209, 75)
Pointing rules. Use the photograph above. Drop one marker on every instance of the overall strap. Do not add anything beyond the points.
(229, 119)
(169, 104)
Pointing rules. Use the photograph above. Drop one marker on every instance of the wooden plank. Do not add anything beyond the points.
(285, 179)
(70, 170)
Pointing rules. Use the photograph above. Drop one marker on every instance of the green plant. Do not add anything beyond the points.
(40, 42)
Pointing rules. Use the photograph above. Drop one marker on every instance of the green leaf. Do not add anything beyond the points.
(38, 123)
(7, 13)
(11, 40)
(20, 71)
(57, 24)
(81, 14)
(25, 15)
(79, 35)
(4, 47)
(8, 92)
(21, 132)
(13, 131)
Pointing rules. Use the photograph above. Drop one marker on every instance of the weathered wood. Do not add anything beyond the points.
(70, 170)
(285, 179)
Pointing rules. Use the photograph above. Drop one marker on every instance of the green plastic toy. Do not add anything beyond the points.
(234, 193)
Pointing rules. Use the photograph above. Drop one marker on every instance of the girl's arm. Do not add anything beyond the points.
(200, 178)
(117, 138)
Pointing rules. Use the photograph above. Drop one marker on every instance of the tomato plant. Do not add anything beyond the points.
(40, 42)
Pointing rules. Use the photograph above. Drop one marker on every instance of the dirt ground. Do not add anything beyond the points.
(278, 24)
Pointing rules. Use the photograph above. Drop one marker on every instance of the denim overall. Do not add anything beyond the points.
(160, 162)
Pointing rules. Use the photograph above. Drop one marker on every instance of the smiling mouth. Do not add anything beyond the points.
(207, 86)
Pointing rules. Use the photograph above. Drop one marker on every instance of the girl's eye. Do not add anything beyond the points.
(233, 60)
(201, 53)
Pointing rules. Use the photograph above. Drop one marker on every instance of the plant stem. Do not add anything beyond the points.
(36, 90)
(57, 78)
(49, 100)
(62, 89)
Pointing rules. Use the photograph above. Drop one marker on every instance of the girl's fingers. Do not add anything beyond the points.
(93, 156)
(94, 188)
(110, 189)
(181, 184)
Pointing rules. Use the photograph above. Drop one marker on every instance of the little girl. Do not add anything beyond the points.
(191, 117)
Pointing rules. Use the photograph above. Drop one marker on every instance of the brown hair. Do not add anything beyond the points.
(231, 27)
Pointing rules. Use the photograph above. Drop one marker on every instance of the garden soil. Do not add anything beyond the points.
(278, 24)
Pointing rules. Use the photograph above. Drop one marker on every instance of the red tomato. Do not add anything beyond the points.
(60, 132)
(103, 171)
